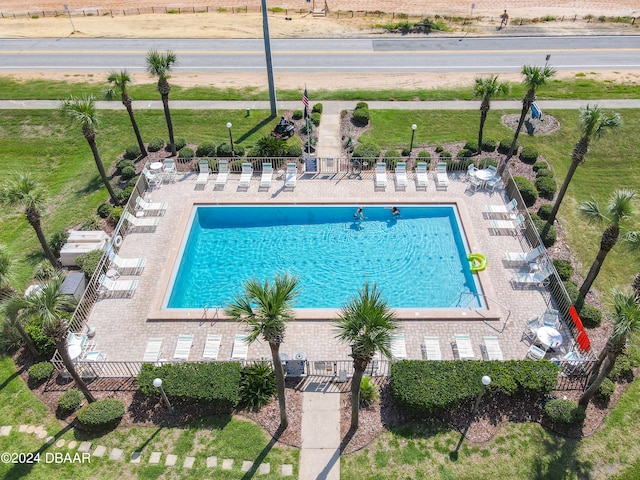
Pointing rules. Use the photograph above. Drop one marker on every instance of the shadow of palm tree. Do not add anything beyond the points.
(263, 454)
(255, 128)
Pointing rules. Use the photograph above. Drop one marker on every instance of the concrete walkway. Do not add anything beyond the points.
(329, 141)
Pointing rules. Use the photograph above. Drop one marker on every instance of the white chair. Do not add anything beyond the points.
(152, 179)
(465, 349)
(152, 350)
(76, 339)
(381, 176)
(245, 175)
(169, 171)
(223, 173)
(494, 181)
(267, 175)
(521, 258)
(532, 278)
(117, 288)
(475, 183)
(536, 352)
(150, 208)
(145, 223)
(442, 179)
(240, 348)
(203, 174)
(502, 210)
(183, 347)
(432, 348)
(422, 177)
(471, 171)
(532, 328)
(212, 347)
(398, 347)
(291, 175)
(550, 318)
(492, 347)
(127, 266)
(509, 226)
(401, 176)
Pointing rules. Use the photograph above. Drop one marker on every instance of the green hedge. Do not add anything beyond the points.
(428, 385)
(155, 145)
(206, 149)
(564, 411)
(527, 190)
(39, 372)
(213, 382)
(548, 233)
(546, 186)
(529, 155)
(102, 413)
(70, 400)
(366, 150)
(489, 145)
(132, 152)
(361, 117)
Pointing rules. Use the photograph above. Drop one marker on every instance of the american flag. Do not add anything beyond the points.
(305, 101)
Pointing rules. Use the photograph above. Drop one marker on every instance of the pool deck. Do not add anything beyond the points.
(123, 325)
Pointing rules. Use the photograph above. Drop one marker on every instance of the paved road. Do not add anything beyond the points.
(444, 55)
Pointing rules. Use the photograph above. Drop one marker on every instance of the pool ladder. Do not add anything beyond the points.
(208, 307)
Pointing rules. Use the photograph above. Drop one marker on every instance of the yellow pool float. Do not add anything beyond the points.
(478, 262)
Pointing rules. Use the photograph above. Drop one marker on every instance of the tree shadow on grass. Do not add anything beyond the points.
(263, 454)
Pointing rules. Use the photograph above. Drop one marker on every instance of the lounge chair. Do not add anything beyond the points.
(381, 175)
(422, 178)
(169, 171)
(532, 278)
(398, 347)
(524, 258)
(152, 350)
(240, 348)
(183, 347)
(143, 223)
(203, 175)
(442, 179)
(291, 175)
(465, 349)
(536, 352)
(502, 210)
(152, 178)
(492, 347)
(432, 348)
(151, 208)
(127, 266)
(267, 175)
(401, 176)
(212, 347)
(509, 226)
(117, 288)
(76, 339)
(223, 173)
(245, 175)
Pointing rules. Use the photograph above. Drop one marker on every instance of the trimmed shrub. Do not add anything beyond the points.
(257, 385)
(564, 268)
(361, 117)
(591, 317)
(464, 153)
(622, 369)
(606, 389)
(128, 173)
(57, 240)
(368, 391)
(126, 193)
(544, 212)
(540, 165)
(317, 108)
(564, 411)
(70, 400)
(180, 144)
(224, 150)
(572, 290)
(439, 149)
(424, 156)
(529, 155)
(132, 152)
(155, 145)
(91, 222)
(471, 146)
(489, 145)
(546, 187)
(307, 128)
(39, 372)
(88, 262)
(544, 172)
(100, 414)
(206, 149)
(297, 114)
(315, 118)
(122, 164)
(43, 343)
(294, 150)
(548, 233)
(527, 190)
(186, 154)
(366, 150)
(445, 155)
(44, 270)
(362, 105)
(132, 182)
(505, 144)
(391, 157)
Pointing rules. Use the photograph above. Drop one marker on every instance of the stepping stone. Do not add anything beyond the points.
(246, 465)
(265, 468)
(100, 451)
(84, 447)
(72, 444)
(116, 454)
(287, 470)
(31, 429)
(135, 457)
(50, 439)
(42, 434)
(212, 462)
(188, 462)
(155, 457)
(23, 428)
(60, 443)
(171, 460)
(39, 430)
(227, 463)
(4, 431)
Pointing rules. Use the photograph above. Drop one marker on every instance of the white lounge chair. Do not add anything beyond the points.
(152, 178)
(442, 179)
(240, 348)
(143, 223)
(381, 175)
(152, 350)
(203, 175)
(465, 349)
(432, 348)
(151, 208)
(223, 173)
(502, 210)
(183, 347)
(291, 175)
(169, 170)
(401, 176)
(245, 175)
(398, 347)
(509, 226)
(127, 266)
(533, 278)
(267, 175)
(117, 288)
(422, 177)
(521, 258)
(492, 347)
(212, 347)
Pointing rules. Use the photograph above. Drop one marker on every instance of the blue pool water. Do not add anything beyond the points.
(418, 260)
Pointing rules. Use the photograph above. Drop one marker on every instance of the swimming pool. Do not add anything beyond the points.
(418, 260)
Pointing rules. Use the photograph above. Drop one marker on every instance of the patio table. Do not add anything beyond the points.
(549, 337)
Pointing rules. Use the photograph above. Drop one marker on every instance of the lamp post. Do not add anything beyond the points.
(413, 133)
(233, 154)
(486, 381)
(157, 382)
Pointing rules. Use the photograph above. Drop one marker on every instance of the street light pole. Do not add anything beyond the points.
(547, 60)
(233, 154)
(157, 382)
(486, 381)
(413, 133)
(66, 9)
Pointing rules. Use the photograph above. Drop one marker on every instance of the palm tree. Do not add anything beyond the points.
(53, 308)
(159, 65)
(487, 88)
(631, 240)
(594, 122)
(534, 77)
(12, 309)
(6, 273)
(266, 308)
(626, 324)
(25, 191)
(620, 208)
(82, 110)
(120, 81)
(366, 324)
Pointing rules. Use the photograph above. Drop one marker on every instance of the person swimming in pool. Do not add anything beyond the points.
(395, 212)
(359, 215)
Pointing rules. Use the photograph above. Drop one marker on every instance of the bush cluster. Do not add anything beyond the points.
(489, 145)
(564, 411)
(368, 391)
(115, 214)
(564, 268)
(606, 389)
(529, 155)
(464, 153)
(39, 372)
(315, 118)
(70, 400)
(104, 210)
(622, 369)
(132, 152)
(185, 154)
(445, 155)
(544, 172)
(180, 143)
(206, 149)
(546, 186)
(155, 145)
(101, 413)
(122, 164)
(128, 173)
(361, 115)
(43, 343)
(257, 385)
(88, 262)
(424, 156)
(505, 144)
(527, 190)
(544, 212)
(591, 317)
(548, 233)
(439, 148)
(297, 114)
(224, 150)
(317, 108)
(57, 240)
(540, 165)
(471, 146)
(366, 150)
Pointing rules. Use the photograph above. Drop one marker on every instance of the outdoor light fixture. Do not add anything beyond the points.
(229, 125)
(157, 382)
(413, 133)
